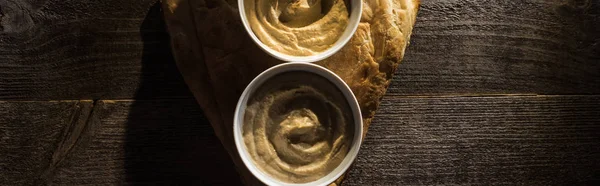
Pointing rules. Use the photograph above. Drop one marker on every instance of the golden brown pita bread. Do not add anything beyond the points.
(218, 59)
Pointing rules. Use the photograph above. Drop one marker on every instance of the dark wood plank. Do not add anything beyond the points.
(148, 142)
(36, 136)
(503, 46)
(56, 49)
(107, 49)
(529, 140)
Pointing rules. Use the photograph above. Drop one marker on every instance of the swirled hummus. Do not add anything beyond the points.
(297, 27)
(298, 127)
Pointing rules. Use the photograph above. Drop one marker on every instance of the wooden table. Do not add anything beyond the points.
(490, 92)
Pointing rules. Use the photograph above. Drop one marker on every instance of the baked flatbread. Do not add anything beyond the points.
(218, 59)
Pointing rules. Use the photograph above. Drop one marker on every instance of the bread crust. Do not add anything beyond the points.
(217, 58)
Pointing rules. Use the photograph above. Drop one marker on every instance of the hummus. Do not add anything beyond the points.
(298, 127)
(297, 27)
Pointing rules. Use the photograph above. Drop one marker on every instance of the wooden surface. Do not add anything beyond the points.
(484, 51)
(37, 136)
(457, 47)
(55, 49)
(503, 47)
(530, 140)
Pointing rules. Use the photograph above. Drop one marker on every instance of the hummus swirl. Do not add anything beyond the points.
(298, 127)
(297, 27)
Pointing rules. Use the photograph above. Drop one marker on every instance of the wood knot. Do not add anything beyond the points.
(14, 16)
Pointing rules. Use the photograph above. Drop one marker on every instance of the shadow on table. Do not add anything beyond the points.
(169, 141)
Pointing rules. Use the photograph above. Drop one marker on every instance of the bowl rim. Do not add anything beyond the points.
(317, 70)
(353, 22)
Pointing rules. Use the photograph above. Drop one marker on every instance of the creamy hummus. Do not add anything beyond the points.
(298, 127)
(297, 27)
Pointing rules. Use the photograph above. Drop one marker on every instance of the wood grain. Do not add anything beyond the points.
(528, 140)
(161, 142)
(36, 136)
(55, 49)
(52, 49)
(503, 47)
(106, 49)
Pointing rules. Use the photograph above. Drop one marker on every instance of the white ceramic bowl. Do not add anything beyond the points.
(238, 121)
(354, 19)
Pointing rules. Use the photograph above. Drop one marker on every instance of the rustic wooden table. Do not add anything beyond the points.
(489, 92)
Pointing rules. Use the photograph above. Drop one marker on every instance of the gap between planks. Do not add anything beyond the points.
(386, 95)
